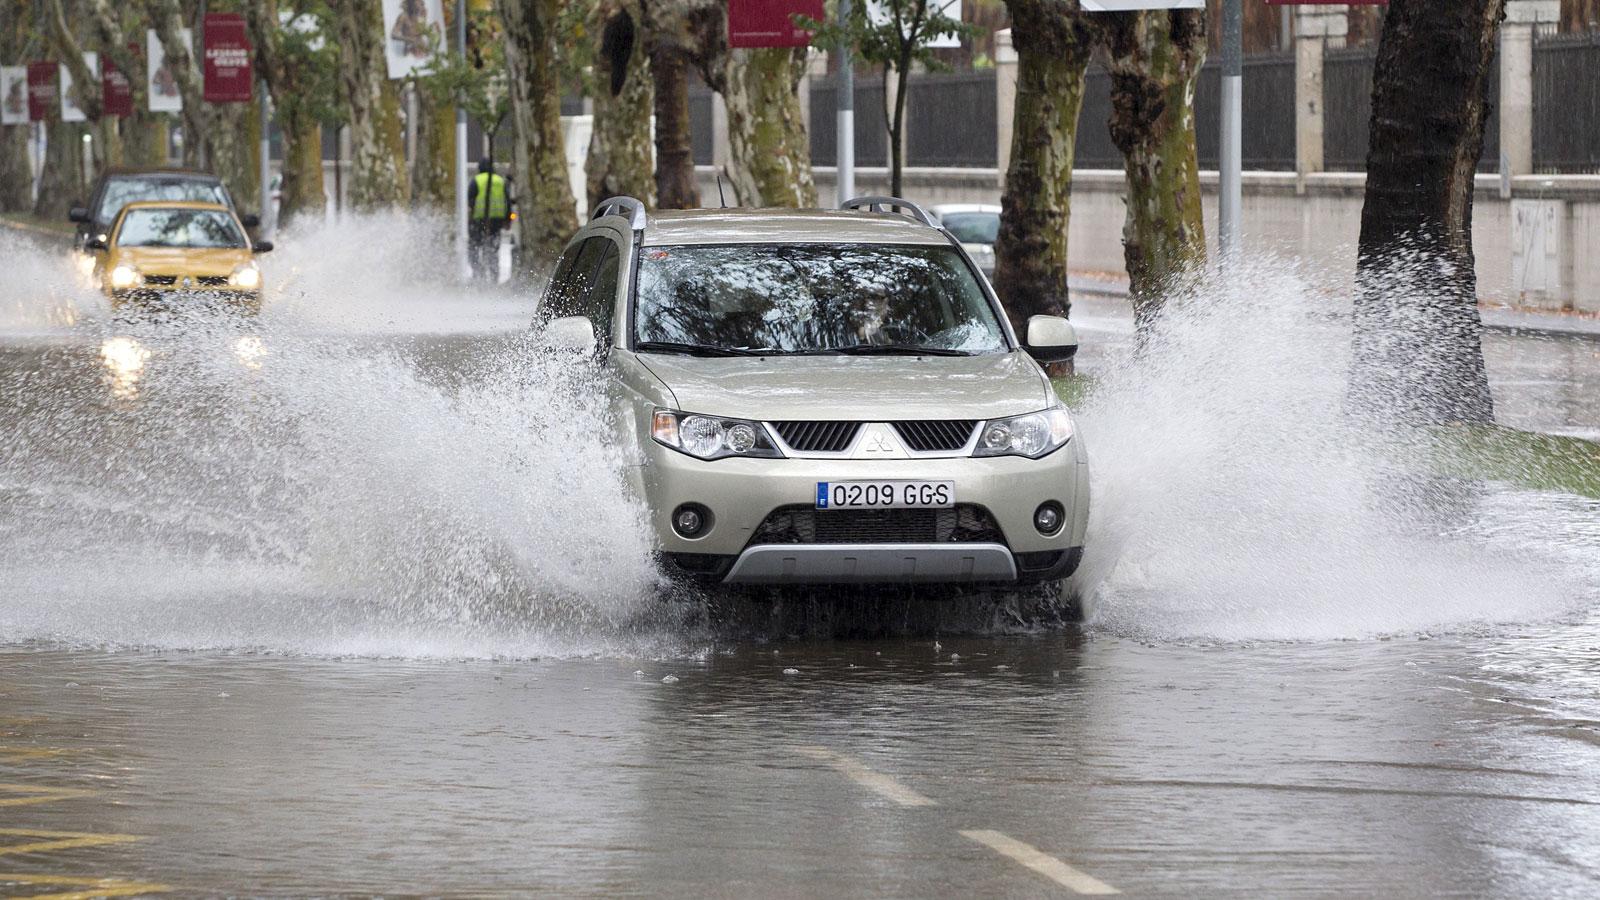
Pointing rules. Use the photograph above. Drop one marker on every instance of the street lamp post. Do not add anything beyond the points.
(845, 134)
(1231, 164)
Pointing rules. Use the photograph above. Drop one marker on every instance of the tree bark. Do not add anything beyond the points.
(1154, 58)
(620, 159)
(544, 191)
(302, 188)
(767, 142)
(16, 179)
(1418, 344)
(61, 181)
(1054, 45)
(377, 141)
(433, 184)
(675, 184)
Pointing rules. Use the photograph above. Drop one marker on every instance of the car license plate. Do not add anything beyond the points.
(885, 494)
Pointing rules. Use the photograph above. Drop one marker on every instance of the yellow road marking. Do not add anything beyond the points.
(1041, 862)
(31, 794)
(97, 887)
(877, 782)
(58, 840)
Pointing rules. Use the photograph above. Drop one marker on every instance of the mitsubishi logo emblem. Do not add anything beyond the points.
(878, 441)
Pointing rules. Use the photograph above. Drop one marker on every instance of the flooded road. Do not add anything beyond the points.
(350, 600)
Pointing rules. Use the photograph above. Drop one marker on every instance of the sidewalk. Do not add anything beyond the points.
(1499, 318)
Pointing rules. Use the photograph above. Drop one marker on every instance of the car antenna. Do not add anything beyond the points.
(720, 197)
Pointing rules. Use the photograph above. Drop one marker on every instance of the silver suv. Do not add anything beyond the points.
(825, 396)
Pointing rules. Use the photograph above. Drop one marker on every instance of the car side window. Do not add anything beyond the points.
(569, 287)
(602, 305)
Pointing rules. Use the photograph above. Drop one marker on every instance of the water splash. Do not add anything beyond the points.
(1235, 499)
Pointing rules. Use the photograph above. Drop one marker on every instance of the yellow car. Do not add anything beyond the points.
(158, 252)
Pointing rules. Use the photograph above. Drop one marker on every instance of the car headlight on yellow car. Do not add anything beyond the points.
(246, 276)
(124, 277)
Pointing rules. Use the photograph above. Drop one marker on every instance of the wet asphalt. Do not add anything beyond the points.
(165, 729)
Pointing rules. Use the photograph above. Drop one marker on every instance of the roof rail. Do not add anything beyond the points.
(887, 204)
(626, 207)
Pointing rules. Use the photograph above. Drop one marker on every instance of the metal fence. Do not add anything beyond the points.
(872, 141)
(954, 124)
(1566, 103)
(951, 117)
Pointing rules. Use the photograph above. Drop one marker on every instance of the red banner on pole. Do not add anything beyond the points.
(41, 90)
(115, 92)
(227, 59)
(768, 23)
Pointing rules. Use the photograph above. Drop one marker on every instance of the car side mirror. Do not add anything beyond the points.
(78, 214)
(261, 247)
(251, 221)
(574, 334)
(95, 243)
(1051, 339)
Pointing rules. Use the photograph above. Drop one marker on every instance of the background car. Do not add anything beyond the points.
(117, 188)
(158, 251)
(976, 226)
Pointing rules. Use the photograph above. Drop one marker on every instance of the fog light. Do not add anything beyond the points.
(1048, 517)
(691, 520)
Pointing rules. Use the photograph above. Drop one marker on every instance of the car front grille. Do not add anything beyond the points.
(161, 279)
(965, 523)
(935, 434)
(817, 437)
(212, 280)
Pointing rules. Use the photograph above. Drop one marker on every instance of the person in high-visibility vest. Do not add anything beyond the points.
(489, 204)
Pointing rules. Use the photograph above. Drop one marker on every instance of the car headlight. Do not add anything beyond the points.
(124, 277)
(246, 276)
(711, 437)
(1033, 435)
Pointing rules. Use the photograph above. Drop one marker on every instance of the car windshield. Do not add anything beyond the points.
(119, 192)
(819, 298)
(179, 228)
(973, 227)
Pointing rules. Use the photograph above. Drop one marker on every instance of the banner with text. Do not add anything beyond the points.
(769, 23)
(42, 77)
(412, 30)
(228, 76)
(13, 95)
(115, 91)
(1131, 5)
(160, 84)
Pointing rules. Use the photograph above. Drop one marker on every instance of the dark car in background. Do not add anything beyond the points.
(117, 188)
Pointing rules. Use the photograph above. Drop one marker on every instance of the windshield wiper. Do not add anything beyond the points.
(896, 350)
(692, 349)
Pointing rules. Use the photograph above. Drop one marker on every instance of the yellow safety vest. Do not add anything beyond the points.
(490, 202)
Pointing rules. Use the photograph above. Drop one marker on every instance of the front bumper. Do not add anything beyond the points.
(741, 493)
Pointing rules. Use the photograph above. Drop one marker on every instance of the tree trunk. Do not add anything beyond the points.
(145, 141)
(61, 181)
(675, 184)
(771, 153)
(544, 191)
(433, 183)
(377, 141)
(1155, 58)
(1418, 345)
(16, 178)
(1053, 48)
(620, 159)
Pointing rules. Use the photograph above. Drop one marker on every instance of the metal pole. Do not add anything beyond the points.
(1231, 164)
(845, 141)
(461, 151)
(269, 216)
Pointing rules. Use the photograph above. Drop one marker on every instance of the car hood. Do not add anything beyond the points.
(862, 388)
(183, 261)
